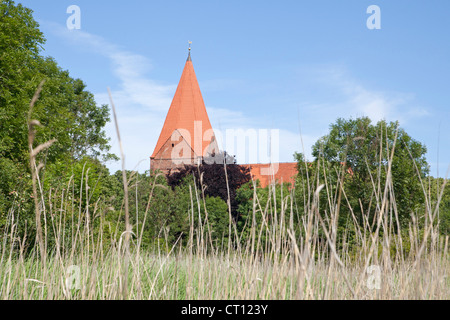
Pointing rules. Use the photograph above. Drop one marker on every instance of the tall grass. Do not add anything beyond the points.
(280, 259)
(287, 264)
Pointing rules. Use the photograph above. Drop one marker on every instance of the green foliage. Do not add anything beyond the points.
(213, 178)
(20, 42)
(169, 211)
(362, 151)
(66, 110)
(434, 188)
(218, 218)
(161, 214)
(260, 209)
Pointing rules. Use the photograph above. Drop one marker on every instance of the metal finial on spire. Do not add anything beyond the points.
(189, 57)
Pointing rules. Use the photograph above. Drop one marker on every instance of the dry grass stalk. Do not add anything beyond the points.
(127, 232)
(35, 169)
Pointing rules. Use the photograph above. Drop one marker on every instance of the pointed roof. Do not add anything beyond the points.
(187, 108)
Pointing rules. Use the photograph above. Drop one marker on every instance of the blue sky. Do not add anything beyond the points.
(295, 66)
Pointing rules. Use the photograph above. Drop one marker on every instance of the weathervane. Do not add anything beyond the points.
(189, 57)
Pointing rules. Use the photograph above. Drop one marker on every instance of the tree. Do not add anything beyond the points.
(66, 110)
(20, 42)
(434, 188)
(213, 178)
(170, 213)
(364, 149)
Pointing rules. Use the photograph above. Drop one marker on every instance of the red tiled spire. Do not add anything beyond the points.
(187, 108)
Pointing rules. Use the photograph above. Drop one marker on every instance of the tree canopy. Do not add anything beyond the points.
(213, 178)
(364, 149)
(65, 109)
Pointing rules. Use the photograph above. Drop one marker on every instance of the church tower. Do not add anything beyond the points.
(187, 135)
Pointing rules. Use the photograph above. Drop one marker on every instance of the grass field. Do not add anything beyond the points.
(291, 263)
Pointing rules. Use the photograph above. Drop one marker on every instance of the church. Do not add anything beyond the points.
(187, 136)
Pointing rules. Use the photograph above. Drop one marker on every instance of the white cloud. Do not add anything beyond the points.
(355, 99)
(222, 119)
(135, 87)
(294, 142)
(328, 93)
